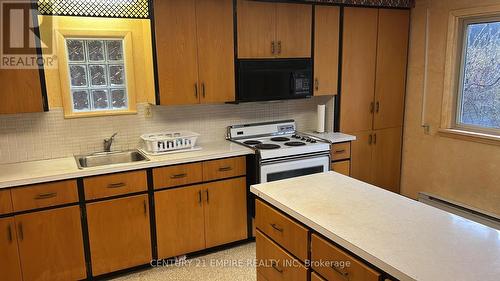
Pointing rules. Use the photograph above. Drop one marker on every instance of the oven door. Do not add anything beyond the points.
(284, 169)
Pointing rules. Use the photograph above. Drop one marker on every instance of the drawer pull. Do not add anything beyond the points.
(116, 185)
(344, 275)
(199, 197)
(225, 169)
(145, 205)
(21, 232)
(275, 226)
(339, 151)
(9, 233)
(208, 198)
(275, 266)
(46, 195)
(178, 176)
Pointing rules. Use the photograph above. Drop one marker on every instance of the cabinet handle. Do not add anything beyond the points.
(377, 107)
(145, 207)
(279, 47)
(21, 233)
(370, 138)
(199, 197)
(46, 195)
(196, 90)
(339, 151)
(208, 198)
(372, 105)
(116, 185)
(275, 226)
(375, 138)
(203, 89)
(9, 233)
(316, 84)
(273, 48)
(344, 275)
(178, 176)
(225, 169)
(275, 266)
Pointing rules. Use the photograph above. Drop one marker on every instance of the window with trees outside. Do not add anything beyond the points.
(478, 101)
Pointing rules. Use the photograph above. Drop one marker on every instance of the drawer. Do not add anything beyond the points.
(5, 202)
(316, 277)
(44, 195)
(342, 265)
(115, 184)
(284, 231)
(342, 167)
(275, 264)
(224, 168)
(177, 175)
(341, 151)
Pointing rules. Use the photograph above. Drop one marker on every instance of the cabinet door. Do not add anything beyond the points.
(10, 267)
(293, 30)
(358, 69)
(119, 234)
(215, 50)
(390, 85)
(51, 245)
(21, 91)
(361, 156)
(177, 58)
(179, 221)
(225, 211)
(342, 167)
(386, 163)
(256, 29)
(326, 50)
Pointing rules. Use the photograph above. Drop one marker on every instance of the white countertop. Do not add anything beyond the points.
(333, 137)
(403, 237)
(65, 168)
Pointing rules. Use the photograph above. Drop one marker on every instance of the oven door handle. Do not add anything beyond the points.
(294, 158)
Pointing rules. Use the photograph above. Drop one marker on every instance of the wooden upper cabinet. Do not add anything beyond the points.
(21, 91)
(256, 29)
(10, 267)
(358, 69)
(386, 158)
(361, 156)
(176, 48)
(390, 85)
(326, 50)
(293, 30)
(51, 245)
(215, 33)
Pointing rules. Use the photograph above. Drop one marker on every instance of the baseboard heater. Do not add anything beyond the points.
(460, 209)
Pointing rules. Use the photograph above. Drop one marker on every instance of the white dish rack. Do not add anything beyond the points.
(169, 142)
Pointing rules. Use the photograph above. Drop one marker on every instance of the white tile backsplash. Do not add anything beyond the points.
(36, 136)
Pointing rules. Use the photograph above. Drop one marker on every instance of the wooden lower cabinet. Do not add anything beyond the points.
(10, 266)
(342, 167)
(179, 221)
(361, 156)
(225, 211)
(316, 277)
(119, 234)
(51, 245)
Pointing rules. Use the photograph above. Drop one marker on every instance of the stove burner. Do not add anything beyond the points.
(252, 142)
(280, 139)
(267, 146)
(294, 143)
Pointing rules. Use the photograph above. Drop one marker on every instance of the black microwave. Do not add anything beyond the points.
(278, 79)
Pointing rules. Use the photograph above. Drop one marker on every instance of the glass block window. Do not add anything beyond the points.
(97, 74)
(478, 105)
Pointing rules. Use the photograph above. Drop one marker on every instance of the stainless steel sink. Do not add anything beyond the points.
(109, 158)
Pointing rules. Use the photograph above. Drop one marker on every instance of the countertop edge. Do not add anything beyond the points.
(330, 235)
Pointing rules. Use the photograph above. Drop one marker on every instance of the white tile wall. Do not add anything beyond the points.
(36, 136)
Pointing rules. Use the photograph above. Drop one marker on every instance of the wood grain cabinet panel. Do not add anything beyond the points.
(119, 234)
(324, 251)
(51, 245)
(326, 50)
(342, 167)
(179, 221)
(293, 30)
(10, 266)
(386, 161)
(390, 85)
(225, 211)
(115, 184)
(361, 156)
(287, 233)
(316, 277)
(5, 202)
(275, 263)
(176, 47)
(358, 69)
(256, 29)
(341, 151)
(215, 35)
(44, 195)
(21, 91)
(177, 175)
(224, 168)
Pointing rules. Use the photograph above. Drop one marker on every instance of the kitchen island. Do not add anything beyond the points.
(387, 234)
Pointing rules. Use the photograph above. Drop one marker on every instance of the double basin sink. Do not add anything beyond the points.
(108, 158)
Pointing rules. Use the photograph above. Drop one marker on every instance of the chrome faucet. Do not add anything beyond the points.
(109, 142)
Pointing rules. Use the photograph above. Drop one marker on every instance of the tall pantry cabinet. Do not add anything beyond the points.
(375, 43)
